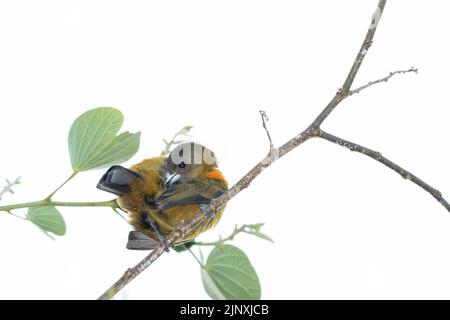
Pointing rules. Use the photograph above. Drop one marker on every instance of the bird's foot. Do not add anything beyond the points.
(208, 213)
(163, 241)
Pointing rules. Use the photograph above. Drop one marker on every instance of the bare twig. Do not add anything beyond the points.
(265, 118)
(385, 79)
(388, 163)
(313, 130)
(344, 90)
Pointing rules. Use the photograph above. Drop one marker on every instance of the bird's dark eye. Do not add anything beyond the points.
(182, 165)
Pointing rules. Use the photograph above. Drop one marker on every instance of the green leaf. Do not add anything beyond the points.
(48, 219)
(94, 143)
(228, 274)
(184, 131)
(210, 286)
(255, 229)
(119, 150)
(168, 144)
(262, 236)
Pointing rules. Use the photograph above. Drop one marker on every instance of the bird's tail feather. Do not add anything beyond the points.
(117, 179)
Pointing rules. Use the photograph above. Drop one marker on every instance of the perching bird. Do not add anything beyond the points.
(162, 192)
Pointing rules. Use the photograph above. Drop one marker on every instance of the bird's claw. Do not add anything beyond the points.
(208, 213)
(164, 243)
(158, 234)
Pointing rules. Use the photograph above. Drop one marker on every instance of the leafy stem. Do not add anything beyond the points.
(196, 258)
(44, 203)
(49, 197)
(84, 148)
(9, 187)
(15, 215)
(168, 144)
(253, 229)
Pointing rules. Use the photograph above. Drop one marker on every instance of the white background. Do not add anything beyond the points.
(344, 225)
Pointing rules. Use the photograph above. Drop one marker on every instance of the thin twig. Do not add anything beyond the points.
(385, 79)
(265, 118)
(344, 90)
(388, 163)
(313, 130)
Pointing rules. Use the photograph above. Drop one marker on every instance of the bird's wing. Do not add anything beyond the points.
(139, 241)
(197, 191)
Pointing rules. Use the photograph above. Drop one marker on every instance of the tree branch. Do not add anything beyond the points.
(343, 92)
(388, 163)
(385, 79)
(313, 130)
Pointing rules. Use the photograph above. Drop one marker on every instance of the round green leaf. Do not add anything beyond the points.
(48, 219)
(119, 150)
(94, 143)
(228, 274)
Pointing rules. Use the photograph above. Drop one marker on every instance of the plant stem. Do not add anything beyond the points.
(388, 163)
(229, 238)
(196, 258)
(49, 197)
(343, 92)
(111, 203)
(183, 132)
(385, 79)
(9, 186)
(15, 215)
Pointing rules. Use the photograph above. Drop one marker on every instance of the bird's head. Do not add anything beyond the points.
(188, 161)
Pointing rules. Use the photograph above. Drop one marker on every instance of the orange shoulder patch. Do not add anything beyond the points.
(216, 174)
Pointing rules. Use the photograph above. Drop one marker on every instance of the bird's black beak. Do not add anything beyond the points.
(117, 180)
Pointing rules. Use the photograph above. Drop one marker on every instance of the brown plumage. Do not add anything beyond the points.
(168, 190)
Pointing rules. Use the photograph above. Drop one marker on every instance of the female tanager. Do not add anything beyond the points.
(162, 192)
